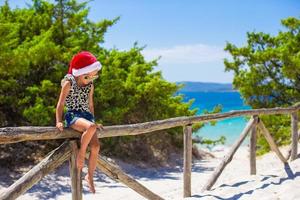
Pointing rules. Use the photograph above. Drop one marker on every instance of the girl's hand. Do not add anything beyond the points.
(60, 126)
(100, 126)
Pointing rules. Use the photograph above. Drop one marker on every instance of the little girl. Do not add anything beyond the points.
(77, 92)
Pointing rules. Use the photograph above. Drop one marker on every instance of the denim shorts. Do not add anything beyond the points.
(72, 115)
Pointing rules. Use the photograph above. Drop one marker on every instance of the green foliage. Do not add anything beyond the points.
(41, 113)
(37, 44)
(267, 74)
(217, 109)
(280, 128)
(211, 143)
(130, 92)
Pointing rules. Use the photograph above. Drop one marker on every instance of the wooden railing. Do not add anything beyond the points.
(69, 149)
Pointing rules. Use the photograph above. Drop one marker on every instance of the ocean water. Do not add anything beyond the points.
(230, 128)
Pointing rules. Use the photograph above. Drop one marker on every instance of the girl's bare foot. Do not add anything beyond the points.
(80, 161)
(90, 182)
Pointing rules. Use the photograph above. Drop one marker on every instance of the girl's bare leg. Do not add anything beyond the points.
(89, 130)
(95, 148)
(85, 140)
(83, 125)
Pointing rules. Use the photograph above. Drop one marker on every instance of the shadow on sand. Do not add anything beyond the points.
(58, 182)
(290, 176)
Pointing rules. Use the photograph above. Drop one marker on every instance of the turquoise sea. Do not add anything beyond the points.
(230, 128)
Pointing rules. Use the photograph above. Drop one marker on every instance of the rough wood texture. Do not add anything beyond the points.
(294, 126)
(187, 160)
(47, 165)
(75, 174)
(253, 147)
(270, 140)
(19, 134)
(117, 174)
(289, 152)
(213, 178)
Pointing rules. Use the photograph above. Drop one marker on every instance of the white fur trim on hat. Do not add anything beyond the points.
(87, 69)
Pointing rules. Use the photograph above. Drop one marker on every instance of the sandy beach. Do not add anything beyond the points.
(273, 180)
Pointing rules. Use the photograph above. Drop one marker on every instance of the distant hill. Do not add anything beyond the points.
(206, 87)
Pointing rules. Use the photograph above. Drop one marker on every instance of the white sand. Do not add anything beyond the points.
(273, 181)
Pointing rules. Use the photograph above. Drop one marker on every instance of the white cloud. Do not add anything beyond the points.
(187, 54)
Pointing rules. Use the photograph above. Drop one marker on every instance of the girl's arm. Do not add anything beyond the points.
(91, 104)
(91, 100)
(61, 102)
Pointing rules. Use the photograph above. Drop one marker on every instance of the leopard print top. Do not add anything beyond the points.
(78, 97)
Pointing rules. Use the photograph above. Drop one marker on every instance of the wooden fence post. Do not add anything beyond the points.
(213, 178)
(270, 140)
(53, 160)
(294, 126)
(187, 160)
(289, 152)
(117, 174)
(75, 174)
(253, 146)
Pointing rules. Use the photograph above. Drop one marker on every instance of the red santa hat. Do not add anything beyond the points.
(82, 63)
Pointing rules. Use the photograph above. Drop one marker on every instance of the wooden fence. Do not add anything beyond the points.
(69, 149)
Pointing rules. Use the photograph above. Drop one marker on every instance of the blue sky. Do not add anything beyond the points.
(190, 35)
